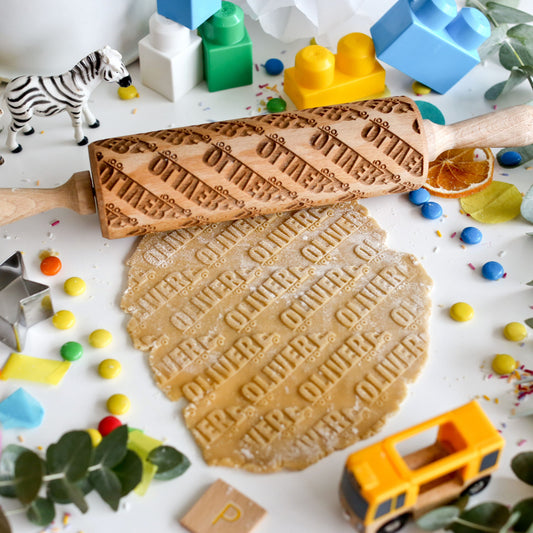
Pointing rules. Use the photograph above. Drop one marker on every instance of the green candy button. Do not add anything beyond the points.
(71, 351)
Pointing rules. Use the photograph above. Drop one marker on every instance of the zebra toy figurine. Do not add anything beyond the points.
(26, 96)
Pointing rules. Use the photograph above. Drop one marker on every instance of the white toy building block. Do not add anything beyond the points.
(170, 58)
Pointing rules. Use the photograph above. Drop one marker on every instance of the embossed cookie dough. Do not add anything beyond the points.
(290, 335)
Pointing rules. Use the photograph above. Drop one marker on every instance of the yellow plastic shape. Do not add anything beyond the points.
(464, 448)
(142, 445)
(48, 371)
(499, 202)
(321, 78)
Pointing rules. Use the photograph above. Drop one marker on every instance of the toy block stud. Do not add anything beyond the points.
(189, 13)
(170, 58)
(321, 78)
(430, 41)
(227, 49)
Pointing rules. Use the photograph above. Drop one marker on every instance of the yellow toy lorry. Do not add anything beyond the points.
(385, 484)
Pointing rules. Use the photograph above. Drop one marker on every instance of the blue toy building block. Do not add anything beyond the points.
(189, 13)
(430, 41)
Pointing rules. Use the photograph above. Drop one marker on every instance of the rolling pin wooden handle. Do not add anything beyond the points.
(509, 127)
(76, 194)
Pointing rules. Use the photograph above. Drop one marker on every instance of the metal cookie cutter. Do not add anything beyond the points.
(23, 303)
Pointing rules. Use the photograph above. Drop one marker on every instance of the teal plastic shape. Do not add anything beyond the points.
(21, 410)
(430, 41)
(189, 13)
(227, 48)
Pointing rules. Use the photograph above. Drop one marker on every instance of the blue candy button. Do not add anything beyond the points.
(431, 210)
(471, 235)
(492, 270)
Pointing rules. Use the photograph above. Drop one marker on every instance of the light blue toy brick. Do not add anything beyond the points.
(430, 41)
(190, 13)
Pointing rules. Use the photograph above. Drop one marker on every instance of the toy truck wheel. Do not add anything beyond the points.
(394, 525)
(477, 486)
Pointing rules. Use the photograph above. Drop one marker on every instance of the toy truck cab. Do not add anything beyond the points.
(381, 488)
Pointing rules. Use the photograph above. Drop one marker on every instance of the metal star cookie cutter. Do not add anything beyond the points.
(23, 303)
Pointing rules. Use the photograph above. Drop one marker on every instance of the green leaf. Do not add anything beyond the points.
(522, 33)
(129, 472)
(70, 455)
(29, 472)
(439, 518)
(516, 77)
(64, 491)
(522, 466)
(491, 514)
(113, 447)
(4, 524)
(166, 458)
(525, 508)
(8, 459)
(514, 54)
(507, 15)
(170, 462)
(529, 321)
(107, 484)
(41, 512)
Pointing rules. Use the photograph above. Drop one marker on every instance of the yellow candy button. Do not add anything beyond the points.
(100, 338)
(420, 88)
(515, 331)
(109, 368)
(64, 319)
(461, 312)
(504, 364)
(118, 404)
(74, 286)
(96, 436)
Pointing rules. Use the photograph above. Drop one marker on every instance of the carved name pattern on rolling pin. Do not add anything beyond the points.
(255, 166)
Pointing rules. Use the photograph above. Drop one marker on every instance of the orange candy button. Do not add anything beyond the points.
(51, 265)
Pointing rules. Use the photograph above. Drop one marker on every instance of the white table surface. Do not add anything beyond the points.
(304, 501)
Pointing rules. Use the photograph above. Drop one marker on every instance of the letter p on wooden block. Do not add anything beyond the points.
(223, 509)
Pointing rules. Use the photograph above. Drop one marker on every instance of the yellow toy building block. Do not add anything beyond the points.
(48, 371)
(321, 78)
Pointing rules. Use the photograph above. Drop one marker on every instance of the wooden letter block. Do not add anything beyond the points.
(223, 509)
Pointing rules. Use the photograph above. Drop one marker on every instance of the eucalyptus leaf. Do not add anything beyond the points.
(5, 527)
(529, 321)
(439, 518)
(29, 472)
(166, 458)
(107, 484)
(491, 514)
(177, 471)
(525, 508)
(522, 466)
(71, 455)
(522, 33)
(112, 448)
(8, 459)
(514, 54)
(507, 15)
(129, 472)
(64, 491)
(515, 78)
(41, 512)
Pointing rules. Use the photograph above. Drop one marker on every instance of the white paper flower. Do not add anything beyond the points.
(325, 20)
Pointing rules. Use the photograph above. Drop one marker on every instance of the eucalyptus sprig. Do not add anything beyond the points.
(512, 37)
(72, 468)
(489, 517)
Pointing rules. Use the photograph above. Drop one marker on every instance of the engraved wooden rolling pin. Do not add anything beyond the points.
(208, 173)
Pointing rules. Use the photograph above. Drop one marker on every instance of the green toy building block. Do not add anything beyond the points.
(227, 47)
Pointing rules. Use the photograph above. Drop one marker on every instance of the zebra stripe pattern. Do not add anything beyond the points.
(26, 96)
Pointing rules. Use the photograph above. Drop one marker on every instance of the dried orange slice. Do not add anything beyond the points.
(460, 172)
